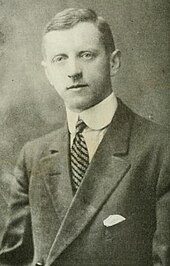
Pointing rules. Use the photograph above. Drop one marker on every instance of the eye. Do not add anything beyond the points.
(59, 58)
(87, 55)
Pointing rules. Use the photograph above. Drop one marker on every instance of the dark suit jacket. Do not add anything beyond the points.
(129, 175)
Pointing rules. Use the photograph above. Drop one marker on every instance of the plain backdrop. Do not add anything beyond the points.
(30, 107)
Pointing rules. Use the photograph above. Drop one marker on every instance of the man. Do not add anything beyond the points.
(95, 192)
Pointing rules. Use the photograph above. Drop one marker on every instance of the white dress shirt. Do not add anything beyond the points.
(97, 119)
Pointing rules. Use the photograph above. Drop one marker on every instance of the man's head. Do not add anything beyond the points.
(79, 57)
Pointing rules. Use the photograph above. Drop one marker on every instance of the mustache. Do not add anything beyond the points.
(77, 86)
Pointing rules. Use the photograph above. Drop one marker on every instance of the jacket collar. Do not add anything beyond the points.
(118, 131)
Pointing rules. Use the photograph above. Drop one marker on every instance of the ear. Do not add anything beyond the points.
(115, 62)
(44, 64)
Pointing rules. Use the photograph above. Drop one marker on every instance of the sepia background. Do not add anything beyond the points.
(29, 107)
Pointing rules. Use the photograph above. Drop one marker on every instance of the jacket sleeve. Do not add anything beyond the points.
(17, 244)
(161, 241)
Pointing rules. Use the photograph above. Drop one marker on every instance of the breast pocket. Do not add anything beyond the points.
(123, 229)
(112, 231)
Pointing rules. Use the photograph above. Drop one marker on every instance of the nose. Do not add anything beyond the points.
(75, 76)
(74, 70)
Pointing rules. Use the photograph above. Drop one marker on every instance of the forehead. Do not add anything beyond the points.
(82, 36)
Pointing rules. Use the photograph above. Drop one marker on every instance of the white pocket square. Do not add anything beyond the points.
(113, 219)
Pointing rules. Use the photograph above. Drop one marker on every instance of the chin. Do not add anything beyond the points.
(82, 103)
(80, 106)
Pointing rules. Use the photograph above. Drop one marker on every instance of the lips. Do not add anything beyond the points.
(75, 86)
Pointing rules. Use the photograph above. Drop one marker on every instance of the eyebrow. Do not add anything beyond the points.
(89, 49)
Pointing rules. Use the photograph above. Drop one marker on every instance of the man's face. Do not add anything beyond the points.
(78, 66)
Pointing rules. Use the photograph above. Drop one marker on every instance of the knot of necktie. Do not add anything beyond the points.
(80, 126)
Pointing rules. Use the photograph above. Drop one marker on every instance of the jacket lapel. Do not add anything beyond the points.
(102, 177)
(54, 169)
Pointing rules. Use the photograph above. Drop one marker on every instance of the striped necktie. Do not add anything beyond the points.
(79, 156)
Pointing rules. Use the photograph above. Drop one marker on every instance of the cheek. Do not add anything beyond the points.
(97, 77)
(98, 72)
(58, 77)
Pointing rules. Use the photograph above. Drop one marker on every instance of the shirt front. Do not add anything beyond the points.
(97, 119)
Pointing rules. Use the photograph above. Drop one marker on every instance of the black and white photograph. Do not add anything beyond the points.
(84, 133)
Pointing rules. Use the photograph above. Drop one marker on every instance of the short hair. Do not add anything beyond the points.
(69, 17)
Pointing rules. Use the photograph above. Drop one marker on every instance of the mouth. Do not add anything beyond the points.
(77, 86)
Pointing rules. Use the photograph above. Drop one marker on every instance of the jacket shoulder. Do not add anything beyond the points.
(143, 128)
(148, 129)
(43, 141)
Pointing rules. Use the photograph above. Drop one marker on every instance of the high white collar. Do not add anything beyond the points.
(96, 117)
